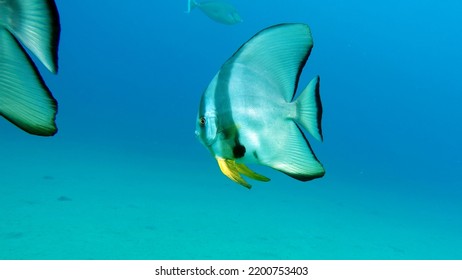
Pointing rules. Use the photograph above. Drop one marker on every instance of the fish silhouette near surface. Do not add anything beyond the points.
(219, 11)
(249, 113)
(25, 99)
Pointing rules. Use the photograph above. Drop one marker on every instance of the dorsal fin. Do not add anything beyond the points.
(280, 52)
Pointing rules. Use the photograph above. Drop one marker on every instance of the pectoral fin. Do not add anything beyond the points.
(233, 171)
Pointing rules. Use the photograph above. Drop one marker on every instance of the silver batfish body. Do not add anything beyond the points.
(248, 113)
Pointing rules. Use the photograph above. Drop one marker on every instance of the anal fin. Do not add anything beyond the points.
(290, 152)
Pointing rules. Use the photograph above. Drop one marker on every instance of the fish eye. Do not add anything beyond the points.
(202, 121)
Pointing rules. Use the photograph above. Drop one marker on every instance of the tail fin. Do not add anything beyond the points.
(191, 5)
(309, 109)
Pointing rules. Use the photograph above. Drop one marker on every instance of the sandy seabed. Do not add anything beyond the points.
(83, 203)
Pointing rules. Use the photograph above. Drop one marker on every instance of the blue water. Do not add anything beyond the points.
(125, 178)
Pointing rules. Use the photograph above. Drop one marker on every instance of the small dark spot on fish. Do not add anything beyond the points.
(64, 198)
(238, 151)
(255, 155)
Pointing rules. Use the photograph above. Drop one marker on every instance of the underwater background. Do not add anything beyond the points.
(125, 178)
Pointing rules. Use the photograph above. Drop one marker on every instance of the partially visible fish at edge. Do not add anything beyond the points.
(217, 10)
(25, 99)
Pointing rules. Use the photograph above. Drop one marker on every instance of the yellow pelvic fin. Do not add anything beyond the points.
(243, 169)
(232, 170)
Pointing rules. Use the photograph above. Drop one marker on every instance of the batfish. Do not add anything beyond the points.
(219, 11)
(249, 113)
